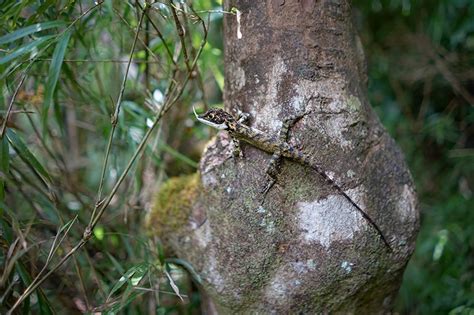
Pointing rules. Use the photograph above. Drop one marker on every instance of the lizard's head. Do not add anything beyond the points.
(216, 118)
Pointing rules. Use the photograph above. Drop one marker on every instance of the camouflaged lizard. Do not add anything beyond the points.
(222, 120)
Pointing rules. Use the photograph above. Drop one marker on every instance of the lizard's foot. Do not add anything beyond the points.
(237, 151)
(242, 117)
(266, 189)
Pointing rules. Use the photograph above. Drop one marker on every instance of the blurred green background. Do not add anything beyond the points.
(66, 62)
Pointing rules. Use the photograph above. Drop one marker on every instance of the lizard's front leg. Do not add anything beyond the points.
(242, 117)
(237, 151)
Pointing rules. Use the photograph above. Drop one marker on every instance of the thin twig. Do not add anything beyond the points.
(115, 117)
(160, 35)
(180, 30)
(104, 60)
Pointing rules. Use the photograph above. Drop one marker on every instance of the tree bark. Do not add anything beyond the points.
(306, 249)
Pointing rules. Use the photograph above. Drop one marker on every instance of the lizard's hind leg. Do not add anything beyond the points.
(273, 167)
(272, 172)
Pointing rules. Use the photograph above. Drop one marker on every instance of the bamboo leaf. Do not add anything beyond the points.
(24, 49)
(186, 265)
(26, 155)
(4, 167)
(22, 32)
(133, 275)
(117, 307)
(53, 75)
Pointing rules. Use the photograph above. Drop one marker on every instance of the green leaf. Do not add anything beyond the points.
(26, 155)
(186, 265)
(22, 32)
(115, 263)
(4, 167)
(183, 158)
(53, 75)
(44, 304)
(133, 275)
(24, 49)
(119, 306)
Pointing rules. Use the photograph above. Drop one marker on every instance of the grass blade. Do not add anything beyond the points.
(22, 32)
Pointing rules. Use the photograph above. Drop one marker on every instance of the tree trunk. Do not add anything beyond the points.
(306, 249)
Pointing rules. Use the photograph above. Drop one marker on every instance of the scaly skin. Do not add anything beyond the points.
(220, 119)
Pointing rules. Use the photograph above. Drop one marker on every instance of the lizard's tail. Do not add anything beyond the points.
(328, 180)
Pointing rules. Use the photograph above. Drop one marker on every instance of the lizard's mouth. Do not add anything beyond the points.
(202, 118)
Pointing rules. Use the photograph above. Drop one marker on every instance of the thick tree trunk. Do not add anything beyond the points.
(306, 248)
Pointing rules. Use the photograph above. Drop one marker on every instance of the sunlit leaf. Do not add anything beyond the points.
(133, 275)
(29, 30)
(27, 48)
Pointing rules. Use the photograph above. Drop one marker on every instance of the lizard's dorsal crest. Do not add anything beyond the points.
(215, 118)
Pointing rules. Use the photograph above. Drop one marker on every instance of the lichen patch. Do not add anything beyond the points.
(335, 128)
(407, 204)
(328, 220)
(239, 78)
(347, 266)
(213, 275)
(302, 267)
(203, 235)
(268, 115)
(285, 280)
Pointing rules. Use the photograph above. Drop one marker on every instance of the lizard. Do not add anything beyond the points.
(222, 120)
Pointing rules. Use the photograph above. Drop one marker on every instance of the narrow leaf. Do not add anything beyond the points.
(22, 32)
(4, 167)
(179, 156)
(133, 275)
(117, 307)
(173, 285)
(53, 75)
(26, 155)
(24, 49)
(187, 266)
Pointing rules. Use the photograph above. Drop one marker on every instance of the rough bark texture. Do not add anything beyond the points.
(306, 249)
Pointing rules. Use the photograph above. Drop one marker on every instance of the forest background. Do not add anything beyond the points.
(83, 84)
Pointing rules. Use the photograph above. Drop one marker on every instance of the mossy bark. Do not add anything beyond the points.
(304, 249)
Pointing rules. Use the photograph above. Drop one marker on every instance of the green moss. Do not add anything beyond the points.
(172, 204)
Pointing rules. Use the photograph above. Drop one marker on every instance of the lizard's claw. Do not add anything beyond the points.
(242, 117)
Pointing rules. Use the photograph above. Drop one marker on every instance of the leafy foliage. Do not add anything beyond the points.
(421, 83)
(96, 97)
